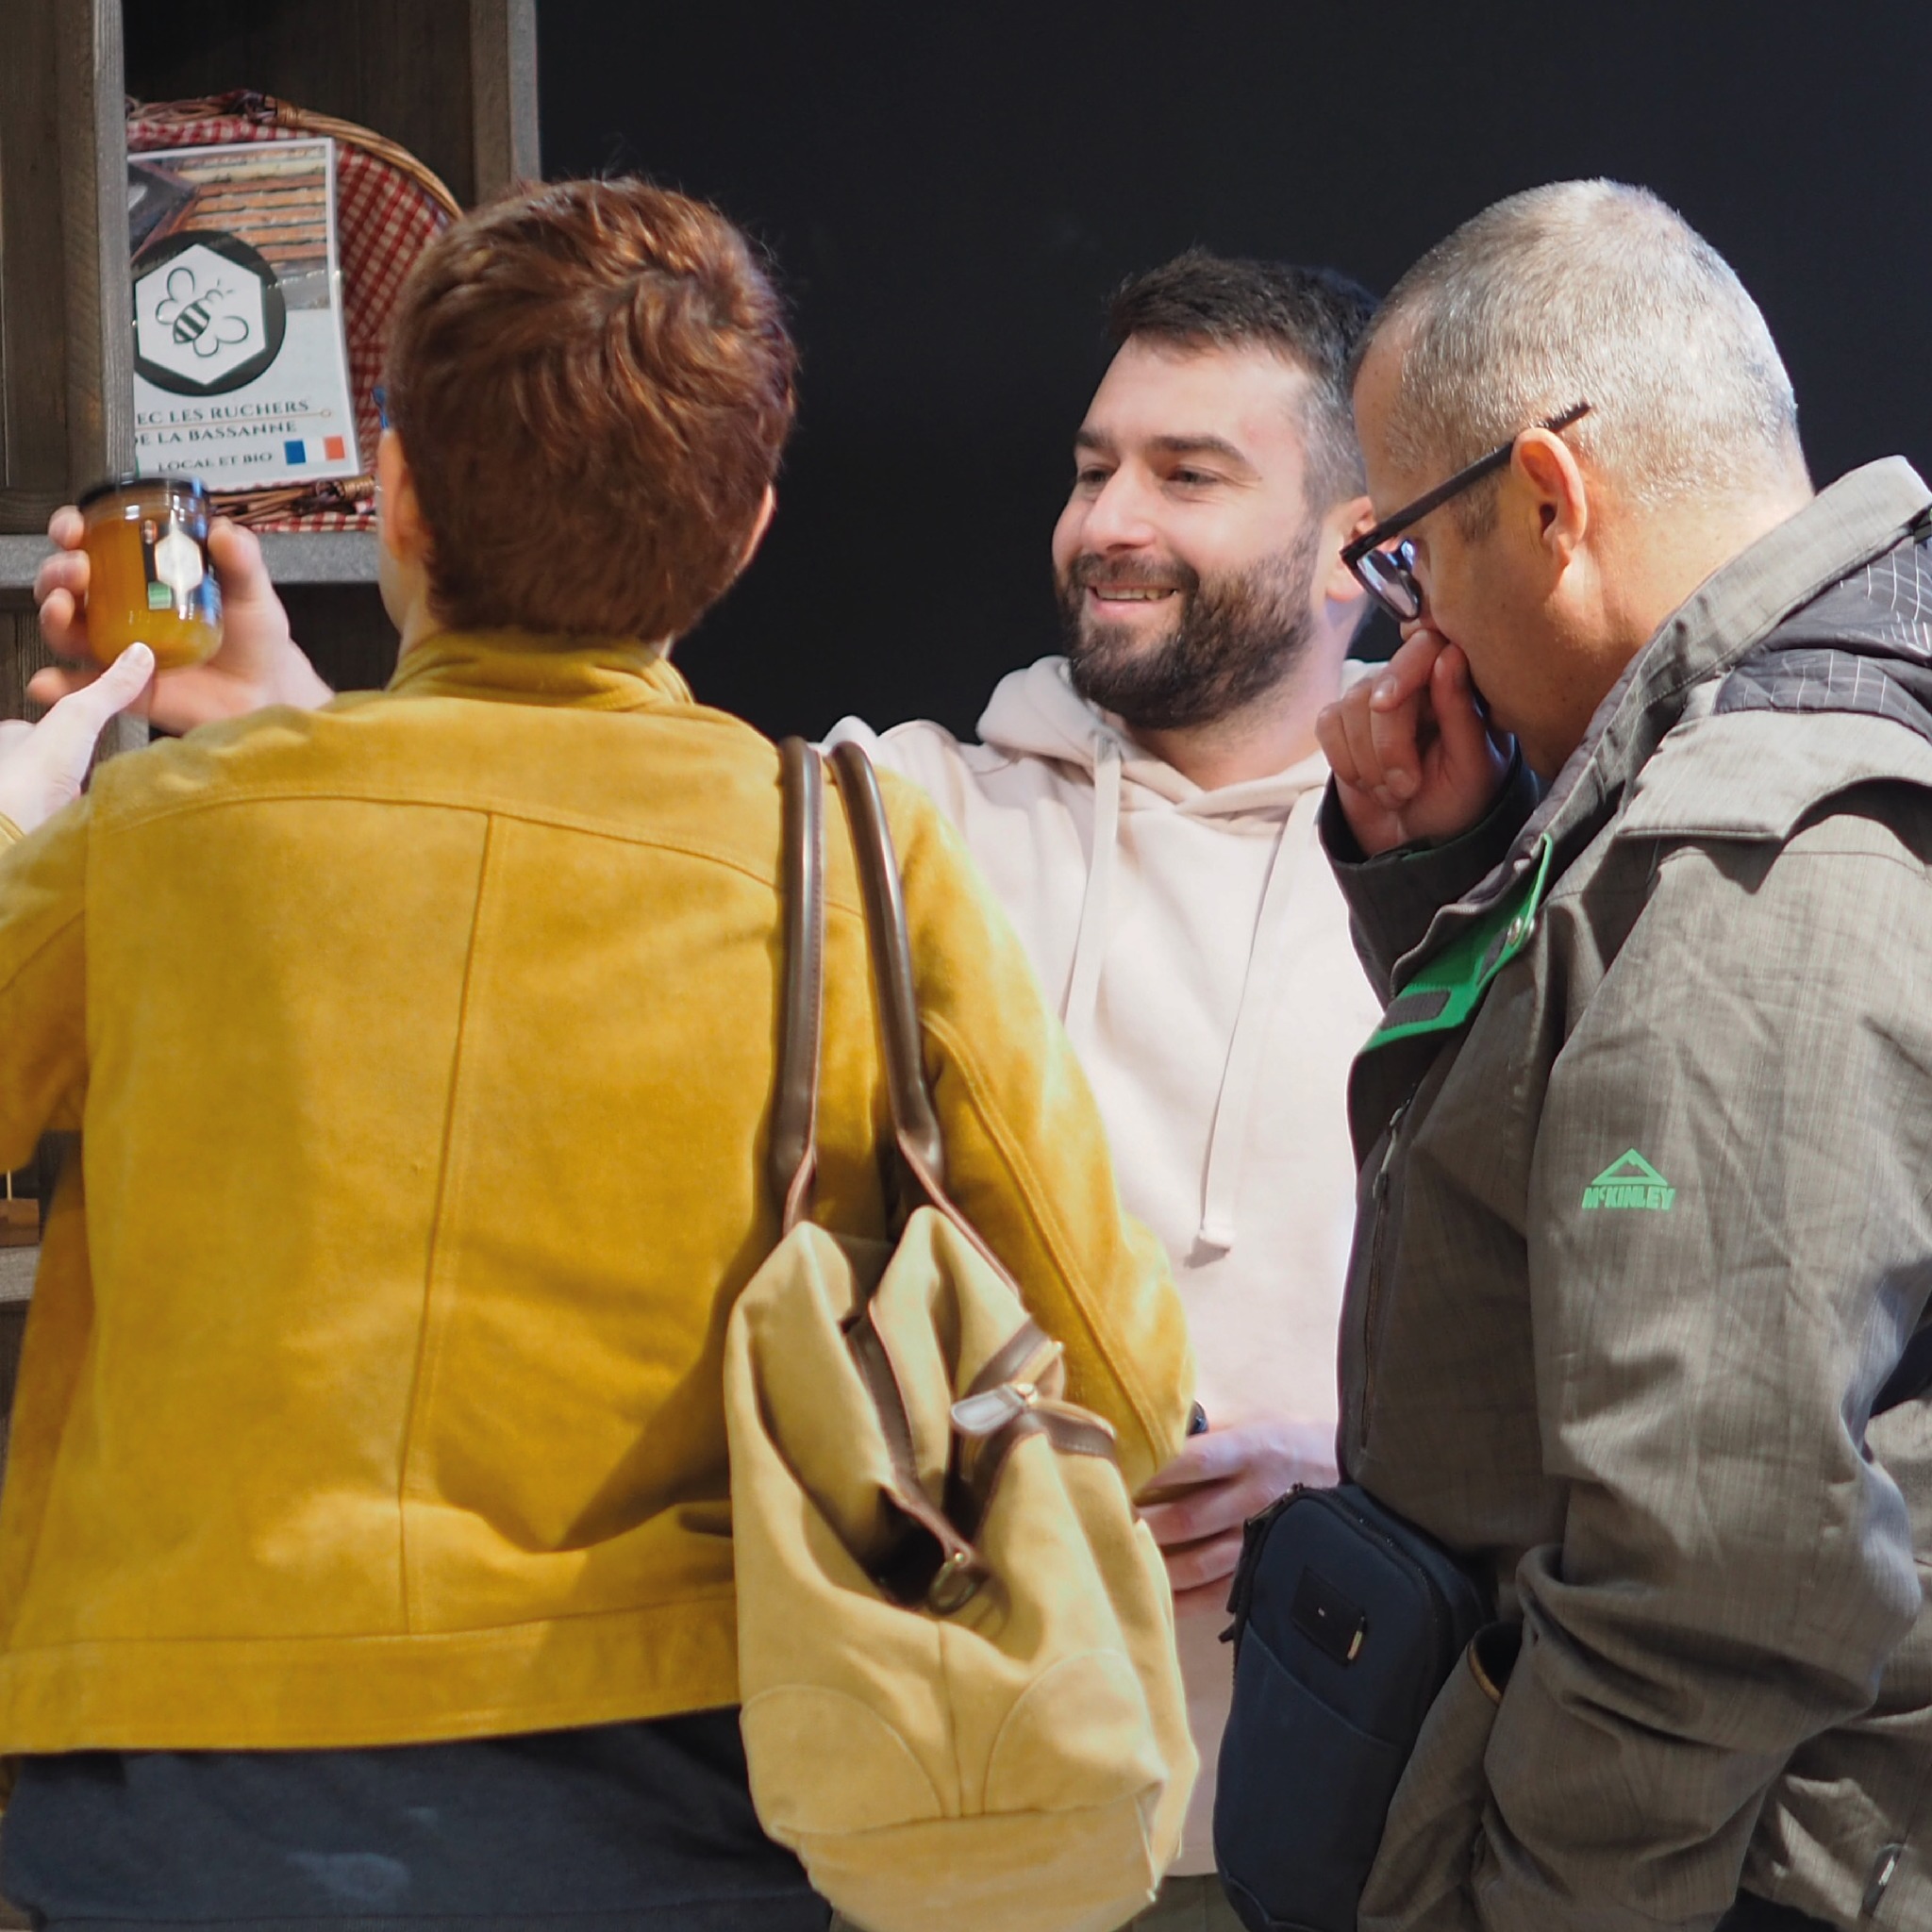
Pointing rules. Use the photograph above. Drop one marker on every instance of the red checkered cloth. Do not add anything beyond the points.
(389, 207)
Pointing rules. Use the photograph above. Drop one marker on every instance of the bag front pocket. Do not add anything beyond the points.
(1309, 1830)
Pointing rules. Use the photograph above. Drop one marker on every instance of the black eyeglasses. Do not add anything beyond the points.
(1385, 571)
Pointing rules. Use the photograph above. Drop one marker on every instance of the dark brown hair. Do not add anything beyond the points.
(1311, 317)
(592, 383)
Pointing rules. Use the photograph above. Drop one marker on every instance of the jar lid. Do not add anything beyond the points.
(189, 486)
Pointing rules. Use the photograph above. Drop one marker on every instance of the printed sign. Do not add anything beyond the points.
(240, 375)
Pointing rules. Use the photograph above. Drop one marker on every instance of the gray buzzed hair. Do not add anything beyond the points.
(1589, 292)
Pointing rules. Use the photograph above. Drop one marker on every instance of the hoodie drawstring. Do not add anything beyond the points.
(1240, 1077)
(1089, 942)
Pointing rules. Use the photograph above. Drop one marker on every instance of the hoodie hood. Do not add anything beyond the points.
(1864, 645)
(1037, 713)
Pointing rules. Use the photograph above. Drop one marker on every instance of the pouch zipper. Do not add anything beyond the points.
(1240, 1595)
(1254, 1533)
(1430, 1589)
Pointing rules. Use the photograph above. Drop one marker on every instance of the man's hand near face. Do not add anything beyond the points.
(258, 663)
(1412, 755)
(1214, 1485)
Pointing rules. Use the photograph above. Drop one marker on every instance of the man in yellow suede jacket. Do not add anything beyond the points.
(423, 1046)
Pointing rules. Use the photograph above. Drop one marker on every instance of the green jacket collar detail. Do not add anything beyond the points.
(1450, 986)
(530, 668)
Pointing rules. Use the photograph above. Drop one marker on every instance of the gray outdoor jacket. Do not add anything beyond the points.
(1645, 1223)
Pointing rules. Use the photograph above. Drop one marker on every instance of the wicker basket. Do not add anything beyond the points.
(389, 207)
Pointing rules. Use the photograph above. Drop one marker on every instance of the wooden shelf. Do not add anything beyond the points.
(20, 558)
(293, 557)
(320, 557)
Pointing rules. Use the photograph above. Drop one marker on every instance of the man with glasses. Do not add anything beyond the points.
(1635, 830)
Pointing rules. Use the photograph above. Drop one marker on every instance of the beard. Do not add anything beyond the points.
(1233, 639)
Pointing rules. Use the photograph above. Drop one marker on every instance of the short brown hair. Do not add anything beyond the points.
(592, 382)
(1311, 317)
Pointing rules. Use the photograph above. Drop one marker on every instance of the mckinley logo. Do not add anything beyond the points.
(1630, 1181)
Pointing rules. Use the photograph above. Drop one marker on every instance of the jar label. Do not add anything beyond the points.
(175, 566)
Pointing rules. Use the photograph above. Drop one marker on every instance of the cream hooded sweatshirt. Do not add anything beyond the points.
(1198, 949)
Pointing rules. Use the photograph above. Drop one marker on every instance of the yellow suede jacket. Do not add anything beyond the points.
(423, 1048)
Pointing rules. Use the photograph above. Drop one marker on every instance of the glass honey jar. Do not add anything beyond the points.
(149, 577)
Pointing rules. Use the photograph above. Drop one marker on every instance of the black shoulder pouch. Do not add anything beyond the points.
(1347, 1622)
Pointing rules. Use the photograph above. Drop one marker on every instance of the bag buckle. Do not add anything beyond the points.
(956, 1582)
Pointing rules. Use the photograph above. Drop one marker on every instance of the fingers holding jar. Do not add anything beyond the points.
(147, 574)
(61, 586)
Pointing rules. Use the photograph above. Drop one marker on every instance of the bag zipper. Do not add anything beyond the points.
(1372, 1300)
(1432, 1594)
(1255, 1531)
(1240, 1595)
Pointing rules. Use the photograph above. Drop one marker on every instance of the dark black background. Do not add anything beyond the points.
(950, 191)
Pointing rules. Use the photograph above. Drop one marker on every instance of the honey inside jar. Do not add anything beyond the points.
(149, 577)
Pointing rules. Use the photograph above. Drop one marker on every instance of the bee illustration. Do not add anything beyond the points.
(189, 315)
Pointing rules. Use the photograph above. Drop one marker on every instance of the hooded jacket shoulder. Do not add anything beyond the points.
(1810, 713)
(1759, 776)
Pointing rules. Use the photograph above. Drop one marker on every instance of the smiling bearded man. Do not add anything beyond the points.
(1145, 810)
(1234, 638)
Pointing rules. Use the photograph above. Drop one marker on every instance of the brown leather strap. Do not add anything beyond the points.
(926, 1558)
(792, 1156)
(975, 1475)
(915, 1122)
(1017, 1351)
(930, 1556)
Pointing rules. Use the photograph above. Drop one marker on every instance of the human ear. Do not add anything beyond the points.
(1550, 478)
(1341, 527)
(399, 514)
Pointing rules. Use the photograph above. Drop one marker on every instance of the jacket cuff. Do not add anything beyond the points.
(1393, 897)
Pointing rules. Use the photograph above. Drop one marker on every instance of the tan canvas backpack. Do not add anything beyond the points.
(961, 1705)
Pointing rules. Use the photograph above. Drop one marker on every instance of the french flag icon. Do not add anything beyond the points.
(334, 450)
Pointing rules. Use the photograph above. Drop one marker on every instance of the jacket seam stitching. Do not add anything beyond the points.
(422, 1381)
(716, 1593)
(552, 821)
(1048, 1226)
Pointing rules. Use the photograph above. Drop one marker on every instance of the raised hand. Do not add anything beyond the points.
(43, 766)
(258, 663)
(1412, 755)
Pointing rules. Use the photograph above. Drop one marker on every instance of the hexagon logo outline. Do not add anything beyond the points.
(194, 324)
